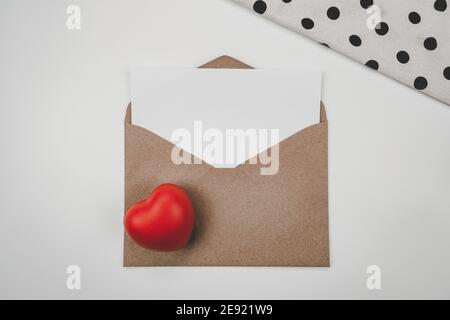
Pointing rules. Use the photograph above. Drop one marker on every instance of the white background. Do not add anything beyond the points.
(62, 102)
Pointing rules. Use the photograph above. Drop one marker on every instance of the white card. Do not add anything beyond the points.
(209, 101)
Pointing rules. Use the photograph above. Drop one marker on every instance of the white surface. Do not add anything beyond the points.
(168, 99)
(62, 166)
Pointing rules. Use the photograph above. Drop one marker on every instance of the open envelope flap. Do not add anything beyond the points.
(242, 218)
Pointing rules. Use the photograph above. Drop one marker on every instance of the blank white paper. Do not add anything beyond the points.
(166, 99)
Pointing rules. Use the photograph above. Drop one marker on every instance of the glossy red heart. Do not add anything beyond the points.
(162, 222)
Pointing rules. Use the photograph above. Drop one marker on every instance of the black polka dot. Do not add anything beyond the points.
(333, 13)
(414, 17)
(373, 64)
(382, 28)
(325, 45)
(403, 57)
(355, 40)
(430, 43)
(366, 3)
(447, 73)
(307, 23)
(287, 1)
(440, 5)
(260, 6)
(420, 83)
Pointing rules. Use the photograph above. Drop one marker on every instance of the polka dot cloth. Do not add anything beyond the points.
(409, 40)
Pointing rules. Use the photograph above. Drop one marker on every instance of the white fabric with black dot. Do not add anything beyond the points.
(411, 44)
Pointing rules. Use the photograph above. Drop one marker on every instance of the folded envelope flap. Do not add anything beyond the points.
(226, 62)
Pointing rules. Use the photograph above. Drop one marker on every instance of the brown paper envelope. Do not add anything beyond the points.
(242, 218)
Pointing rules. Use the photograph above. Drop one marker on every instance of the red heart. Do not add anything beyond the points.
(164, 221)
